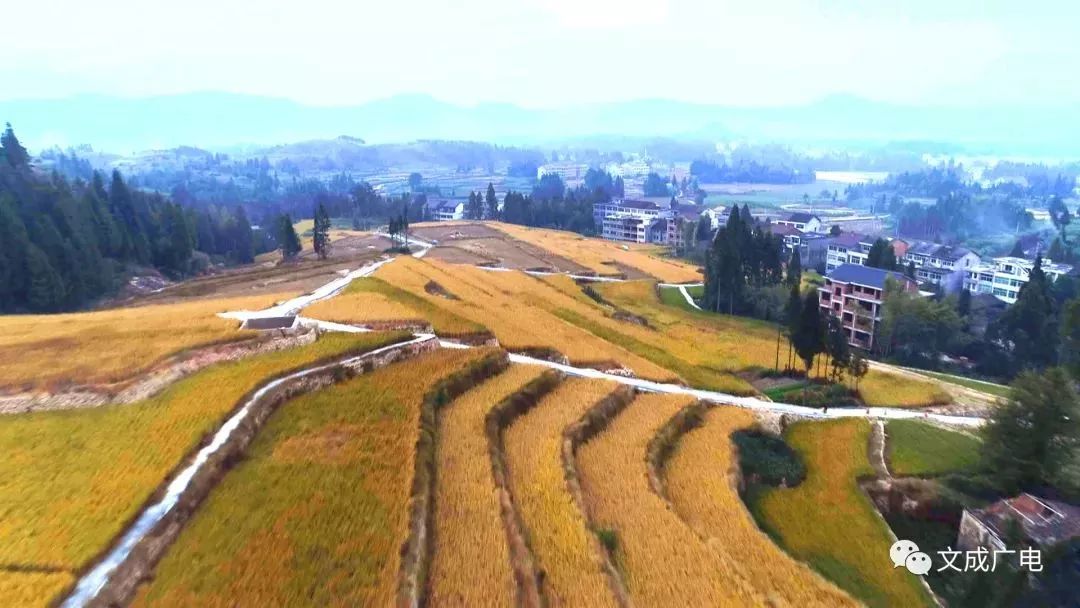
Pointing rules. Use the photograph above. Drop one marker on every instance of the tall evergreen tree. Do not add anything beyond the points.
(794, 270)
(1029, 441)
(12, 151)
(321, 232)
(287, 238)
(881, 255)
(809, 338)
(1029, 327)
(491, 203)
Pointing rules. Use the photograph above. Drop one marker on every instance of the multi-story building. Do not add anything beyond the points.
(638, 222)
(847, 248)
(801, 221)
(445, 211)
(855, 294)
(943, 265)
(1003, 277)
(852, 248)
(812, 246)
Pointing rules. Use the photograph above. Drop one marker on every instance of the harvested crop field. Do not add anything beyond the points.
(663, 561)
(389, 303)
(267, 278)
(701, 483)
(317, 512)
(601, 256)
(518, 309)
(73, 479)
(471, 542)
(55, 351)
(555, 526)
(829, 522)
(474, 243)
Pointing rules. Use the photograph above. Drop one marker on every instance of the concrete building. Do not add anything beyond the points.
(801, 221)
(445, 211)
(943, 265)
(854, 294)
(567, 171)
(1042, 522)
(853, 248)
(1003, 277)
(812, 246)
(868, 224)
(638, 221)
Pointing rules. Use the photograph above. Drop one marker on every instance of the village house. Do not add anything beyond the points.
(445, 211)
(1003, 277)
(1040, 521)
(855, 294)
(801, 221)
(944, 265)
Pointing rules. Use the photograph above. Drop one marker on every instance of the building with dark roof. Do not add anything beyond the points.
(944, 265)
(855, 294)
(1042, 522)
(803, 221)
(443, 210)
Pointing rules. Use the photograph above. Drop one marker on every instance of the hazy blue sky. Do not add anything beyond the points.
(543, 53)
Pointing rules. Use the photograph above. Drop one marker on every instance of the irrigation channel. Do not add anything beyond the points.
(93, 581)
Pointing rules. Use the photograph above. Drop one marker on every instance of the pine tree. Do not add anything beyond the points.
(1030, 441)
(243, 243)
(794, 270)
(46, 293)
(809, 337)
(287, 238)
(491, 203)
(13, 151)
(321, 237)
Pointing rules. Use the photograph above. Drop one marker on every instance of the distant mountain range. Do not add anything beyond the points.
(226, 120)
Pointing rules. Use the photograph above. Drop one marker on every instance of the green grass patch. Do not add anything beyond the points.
(917, 448)
(998, 390)
(827, 520)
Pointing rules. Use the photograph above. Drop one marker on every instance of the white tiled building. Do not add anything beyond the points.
(1003, 277)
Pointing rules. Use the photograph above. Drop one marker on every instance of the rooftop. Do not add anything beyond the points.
(864, 275)
(800, 217)
(1043, 521)
(936, 250)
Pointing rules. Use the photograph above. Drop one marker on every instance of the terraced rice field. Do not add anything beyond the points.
(317, 512)
(701, 483)
(54, 351)
(829, 522)
(32, 588)
(664, 562)
(516, 308)
(471, 542)
(599, 254)
(555, 526)
(736, 343)
(72, 479)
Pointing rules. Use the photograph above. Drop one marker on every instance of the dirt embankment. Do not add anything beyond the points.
(591, 424)
(419, 548)
(155, 380)
(522, 561)
(140, 563)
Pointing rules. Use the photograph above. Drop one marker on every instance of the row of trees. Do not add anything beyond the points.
(710, 172)
(64, 244)
(743, 262)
